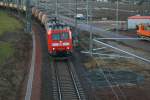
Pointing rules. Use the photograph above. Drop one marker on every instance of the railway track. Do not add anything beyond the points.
(66, 85)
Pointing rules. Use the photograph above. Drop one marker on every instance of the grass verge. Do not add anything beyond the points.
(6, 51)
(8, 24)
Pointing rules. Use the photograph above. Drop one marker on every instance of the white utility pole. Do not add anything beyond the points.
(56, 12)
(117, 17)
(89, 18)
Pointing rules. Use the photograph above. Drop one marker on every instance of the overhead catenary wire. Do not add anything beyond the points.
(121, 50)
(120, 38)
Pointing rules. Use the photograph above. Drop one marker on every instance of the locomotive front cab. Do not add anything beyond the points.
(59, 40)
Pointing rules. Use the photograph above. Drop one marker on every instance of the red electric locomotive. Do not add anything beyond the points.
(59, 38)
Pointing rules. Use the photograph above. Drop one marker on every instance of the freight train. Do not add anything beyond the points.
(59, 35)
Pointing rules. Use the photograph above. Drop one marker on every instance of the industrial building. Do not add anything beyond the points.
(133, 21)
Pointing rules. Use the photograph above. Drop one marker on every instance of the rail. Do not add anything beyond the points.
(66, 85)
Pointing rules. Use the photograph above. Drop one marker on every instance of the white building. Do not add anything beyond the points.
(136, 20)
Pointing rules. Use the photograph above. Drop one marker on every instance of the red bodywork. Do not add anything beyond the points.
(59, 44)
(142, 30)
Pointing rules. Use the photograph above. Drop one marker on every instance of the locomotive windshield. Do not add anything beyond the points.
(60, 36)
(56, 36)
(147, 28)
(64, 36)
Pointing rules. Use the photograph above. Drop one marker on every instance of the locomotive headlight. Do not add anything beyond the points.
(53, 48)
(66, 44)
(55, 44)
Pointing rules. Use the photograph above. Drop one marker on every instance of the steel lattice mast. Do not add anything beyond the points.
(28, 16)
